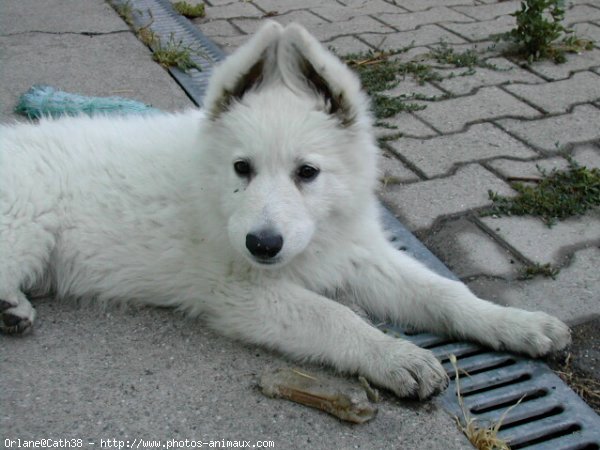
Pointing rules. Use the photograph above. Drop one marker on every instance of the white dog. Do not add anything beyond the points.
(247, 213)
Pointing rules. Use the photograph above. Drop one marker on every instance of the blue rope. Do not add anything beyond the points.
(44, 101)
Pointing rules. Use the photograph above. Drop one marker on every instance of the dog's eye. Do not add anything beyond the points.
(242, 168)
(307, 173)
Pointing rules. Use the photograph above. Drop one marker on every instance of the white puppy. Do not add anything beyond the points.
(246, 213)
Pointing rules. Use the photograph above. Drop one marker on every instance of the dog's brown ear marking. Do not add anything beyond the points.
(335, 104)
(250, 80)
(246, 82)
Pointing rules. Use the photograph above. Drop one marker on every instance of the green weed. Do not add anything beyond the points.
(539, 28)
(546, 270)
(555, 196)
(125, 11)
(469, 58)
(189, 11)
(174, 54)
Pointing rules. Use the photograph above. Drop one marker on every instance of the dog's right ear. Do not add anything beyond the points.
(245, 69)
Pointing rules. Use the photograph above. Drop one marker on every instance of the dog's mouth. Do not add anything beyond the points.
(265, 262)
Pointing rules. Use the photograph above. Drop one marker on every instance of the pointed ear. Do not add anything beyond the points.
(306, 65)
(245, 69)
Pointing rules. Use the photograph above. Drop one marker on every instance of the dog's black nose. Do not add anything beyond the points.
(264, 244)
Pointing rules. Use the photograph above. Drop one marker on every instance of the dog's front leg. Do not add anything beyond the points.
(309, 327)
(393, 286)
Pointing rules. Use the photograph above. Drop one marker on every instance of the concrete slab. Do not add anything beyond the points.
(560, 96)
(573, 297)
(453, 115)
(542, 244)
(508, 73)
(103, 65)
(438, 155)
(482, 31)
(469, 252)
(425, 35)
(410, 21)
(489, 12)
(90, 16)
(323, 30)
(337, 12)
(392, 171)
(575, 63)
(149, 374)
(551, 134)
(419, 205)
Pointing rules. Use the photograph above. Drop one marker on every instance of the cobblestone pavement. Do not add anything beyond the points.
(498, 122)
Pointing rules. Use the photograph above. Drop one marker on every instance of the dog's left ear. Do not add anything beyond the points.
(306, 65)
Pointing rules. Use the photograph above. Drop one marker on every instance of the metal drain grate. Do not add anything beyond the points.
(160, 17)
(550, 416)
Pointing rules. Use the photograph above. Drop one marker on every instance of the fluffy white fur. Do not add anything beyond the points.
(150, 209)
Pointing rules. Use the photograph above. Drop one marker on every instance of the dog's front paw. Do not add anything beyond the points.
(407, 370)
(16, 317)
(533, 333)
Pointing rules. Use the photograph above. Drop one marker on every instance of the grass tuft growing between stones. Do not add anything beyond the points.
(189, 11)
(469, 58)
(546, 270)
(555, 196)
(174, 54)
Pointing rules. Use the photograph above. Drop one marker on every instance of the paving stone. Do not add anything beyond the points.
(481, 31)
(283, 6)
(425, 35)
(406, 124)
(490, 102)
(393, 172)
(410, 21)
(439, 155)
(587, 155)
(489, 12)
(218, 2)
(420, 204)
(229, 43)
(408, 87)
(321, 29)
(420, 5)
(510, 168)
(468, 251)
(573, 296)
(581, 13)
(92, 16)
(508, 73)
(575, 63)
(336, 12)
(310, 21)
(347, 44)
(231, 10)
(551, 133)
(560, 96)
(212, 28)
(542, 244)
(587, 31)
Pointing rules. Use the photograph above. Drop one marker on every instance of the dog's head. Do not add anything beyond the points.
(289, 144)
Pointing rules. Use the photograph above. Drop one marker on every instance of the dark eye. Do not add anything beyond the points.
(307, 173)
(242, 168)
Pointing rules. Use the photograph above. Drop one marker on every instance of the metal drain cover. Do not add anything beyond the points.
(549, 416)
